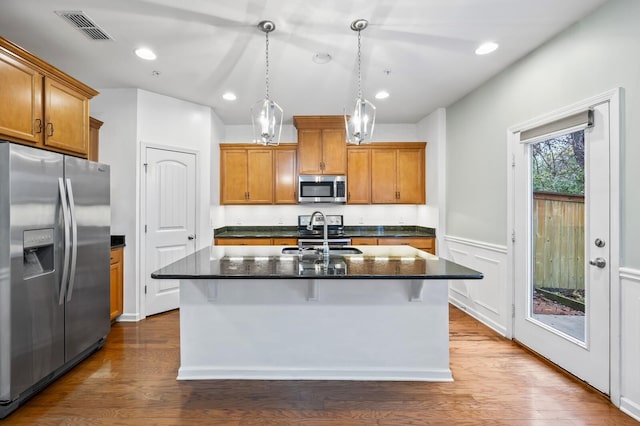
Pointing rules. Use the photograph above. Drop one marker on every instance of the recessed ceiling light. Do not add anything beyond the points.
(229, 96)
(383, 94)
(145, 53)
(321, 58)
(487, 47)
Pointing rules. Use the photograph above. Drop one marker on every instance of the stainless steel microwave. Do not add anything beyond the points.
(322, 189)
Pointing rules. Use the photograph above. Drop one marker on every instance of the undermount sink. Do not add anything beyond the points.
(342, 250)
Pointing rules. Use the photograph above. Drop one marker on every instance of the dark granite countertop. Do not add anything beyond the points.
(117, 241)
(256, 232)
(350, 231)
(268, 262)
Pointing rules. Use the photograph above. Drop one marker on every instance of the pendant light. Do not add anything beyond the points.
(360, 125)
(266, 115)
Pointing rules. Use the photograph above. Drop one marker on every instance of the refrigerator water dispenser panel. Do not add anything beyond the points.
(37, 252)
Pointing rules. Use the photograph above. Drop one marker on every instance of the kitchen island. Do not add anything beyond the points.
(252, 312)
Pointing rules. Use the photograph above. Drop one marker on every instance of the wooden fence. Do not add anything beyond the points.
(558, 241)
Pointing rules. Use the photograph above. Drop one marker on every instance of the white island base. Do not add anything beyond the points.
(324, 329)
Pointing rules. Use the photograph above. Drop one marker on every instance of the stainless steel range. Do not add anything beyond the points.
(314, 236)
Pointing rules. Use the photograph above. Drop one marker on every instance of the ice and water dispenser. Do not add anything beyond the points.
(38, 247)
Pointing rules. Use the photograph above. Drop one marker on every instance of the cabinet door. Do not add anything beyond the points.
(284, 241)
(309, 152)
(410, 182)
(260, 176)
(285, 177)
(421, 243)
(20, 101)
(358, 176)
(233, 176)
(383, 176)
(66, 118)
(334, 152)
(364, 241)
(117, 269)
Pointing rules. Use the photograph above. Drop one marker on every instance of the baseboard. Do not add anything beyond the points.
(129, 318)
(498, 328)
(630, 408)
(373, 374)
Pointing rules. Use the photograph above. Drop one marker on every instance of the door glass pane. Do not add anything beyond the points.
(557, 296)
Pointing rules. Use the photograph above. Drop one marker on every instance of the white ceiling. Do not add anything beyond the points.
(208, 47)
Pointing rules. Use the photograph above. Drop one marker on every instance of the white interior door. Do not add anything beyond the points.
(170, 221)
(562, 249)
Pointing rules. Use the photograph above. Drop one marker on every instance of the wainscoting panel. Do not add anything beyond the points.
(488, 299)
(630, 342)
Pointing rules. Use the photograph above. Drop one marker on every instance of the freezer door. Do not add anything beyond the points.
(87, 296)
(31, 316)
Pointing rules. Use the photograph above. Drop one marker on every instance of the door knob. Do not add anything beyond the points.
(599, 262)
(191, 237)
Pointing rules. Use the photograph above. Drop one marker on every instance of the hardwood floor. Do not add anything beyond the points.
(132, 380)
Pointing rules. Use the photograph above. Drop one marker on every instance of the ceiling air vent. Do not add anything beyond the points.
(82, 22)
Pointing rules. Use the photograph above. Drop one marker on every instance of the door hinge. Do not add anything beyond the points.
(513, 310)
(145, 167)
(145, 229)
(513, 160)
(145, 289)
(513, 236)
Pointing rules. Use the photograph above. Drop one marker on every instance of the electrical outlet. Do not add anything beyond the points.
(401, 220)
(360, 220)
(280, 222)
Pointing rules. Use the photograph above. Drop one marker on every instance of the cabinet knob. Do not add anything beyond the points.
(38, 125)
(49, 129)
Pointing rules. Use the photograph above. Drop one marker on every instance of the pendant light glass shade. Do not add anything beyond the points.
(266, 115)
(266, 118)
(359, 126)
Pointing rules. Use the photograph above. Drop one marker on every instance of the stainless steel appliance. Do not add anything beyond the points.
(54, 267)
(314, 236)
(322, 189)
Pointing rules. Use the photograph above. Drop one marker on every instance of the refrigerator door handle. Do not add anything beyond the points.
(67, 239)
(74, 240)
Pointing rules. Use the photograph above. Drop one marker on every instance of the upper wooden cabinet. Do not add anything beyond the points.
(94, 138)
(254, 174)
(322, 147)
(246, 176)
(398, 174)
(285, 179)
(358, 175)
(40, 105)
(20, 101)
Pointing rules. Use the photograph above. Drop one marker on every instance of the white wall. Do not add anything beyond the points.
(117, 108)
(593, 56)
(134, 119)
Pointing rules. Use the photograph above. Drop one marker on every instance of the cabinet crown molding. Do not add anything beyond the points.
(23, 56)
(318, 122)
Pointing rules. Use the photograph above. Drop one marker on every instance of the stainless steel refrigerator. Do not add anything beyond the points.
(54, 267)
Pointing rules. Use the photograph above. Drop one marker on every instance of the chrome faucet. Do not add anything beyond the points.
(325, 232)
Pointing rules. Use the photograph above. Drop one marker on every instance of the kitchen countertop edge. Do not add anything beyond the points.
(392, 231)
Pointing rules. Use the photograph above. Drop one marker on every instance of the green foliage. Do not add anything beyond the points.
(557, 164)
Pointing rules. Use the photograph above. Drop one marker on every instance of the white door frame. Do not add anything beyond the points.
(142, 205)
(614, 99)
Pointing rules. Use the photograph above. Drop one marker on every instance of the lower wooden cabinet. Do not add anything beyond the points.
(427, 244)
(255, 241)
(117, 269)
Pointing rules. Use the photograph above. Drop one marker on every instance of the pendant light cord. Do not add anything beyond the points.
(359, 74)
(266, 78)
